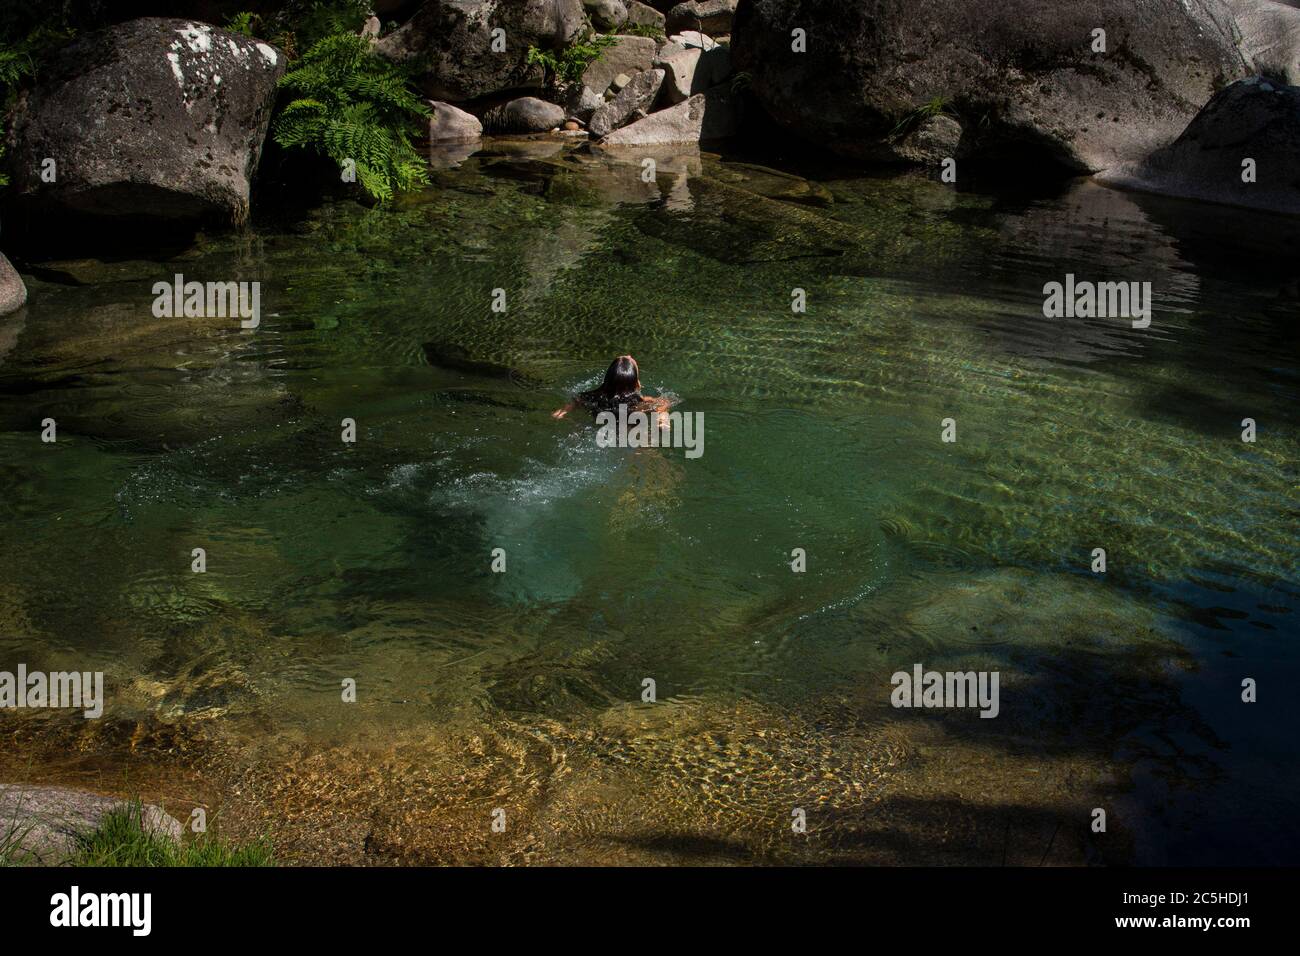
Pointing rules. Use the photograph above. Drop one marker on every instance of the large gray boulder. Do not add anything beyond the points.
(1253, 119)
(703, 118)
(1270, 34)
(449, 124)
(627, 54)
(713, 17)
(13, 293)
(451, 41)
(637, 97)
(581, 102)
(643, 15)
(606, 15)
(691, 70)
(527, 114)
(41, 825)
(1020, 76)
(154, 115)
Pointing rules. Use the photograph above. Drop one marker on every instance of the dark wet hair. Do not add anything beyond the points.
(622, 386)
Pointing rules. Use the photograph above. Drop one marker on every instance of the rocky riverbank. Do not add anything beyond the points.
(161, 119)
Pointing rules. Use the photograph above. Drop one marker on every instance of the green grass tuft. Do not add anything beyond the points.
(11, 851)
(120, 840)
(642, 30)
(935, 107)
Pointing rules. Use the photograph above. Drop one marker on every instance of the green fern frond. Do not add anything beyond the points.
(351, 105)
(243, 23)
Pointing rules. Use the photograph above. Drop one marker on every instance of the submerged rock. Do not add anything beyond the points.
(158, 116)
(773, 183)
(450, 41)
(46, 822)
(208, 390)
(1028, 79)
(449, 355)
(13, 293)
(740, 226)
(1252, 121)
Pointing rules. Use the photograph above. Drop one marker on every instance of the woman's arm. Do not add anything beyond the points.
(659, 406)
(561, 412)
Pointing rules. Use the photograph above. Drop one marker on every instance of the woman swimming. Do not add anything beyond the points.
(622, 386)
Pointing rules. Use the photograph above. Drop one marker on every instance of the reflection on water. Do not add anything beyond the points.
(522, 690)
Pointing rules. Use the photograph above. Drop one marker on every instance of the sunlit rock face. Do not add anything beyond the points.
(1239, 150)
(1270, 35)
(159, 116)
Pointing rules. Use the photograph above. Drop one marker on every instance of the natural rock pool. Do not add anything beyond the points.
(522, 691)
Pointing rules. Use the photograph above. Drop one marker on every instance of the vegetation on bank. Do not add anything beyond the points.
(338, 98)
(121, 840)
(569, 64)
(938, 106)
(642, 30)
(24, 43)
(358, 110)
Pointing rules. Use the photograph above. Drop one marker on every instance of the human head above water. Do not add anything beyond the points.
(622, 379)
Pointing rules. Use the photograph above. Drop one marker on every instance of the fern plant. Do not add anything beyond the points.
(570, 63)
(350, 105)
(243, 23)
(295, 25)
(18, 60)
(15, 63)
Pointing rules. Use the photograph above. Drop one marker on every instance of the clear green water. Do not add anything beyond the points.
(822, 432)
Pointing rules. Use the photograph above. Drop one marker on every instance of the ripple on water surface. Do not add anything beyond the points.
(373, 559)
